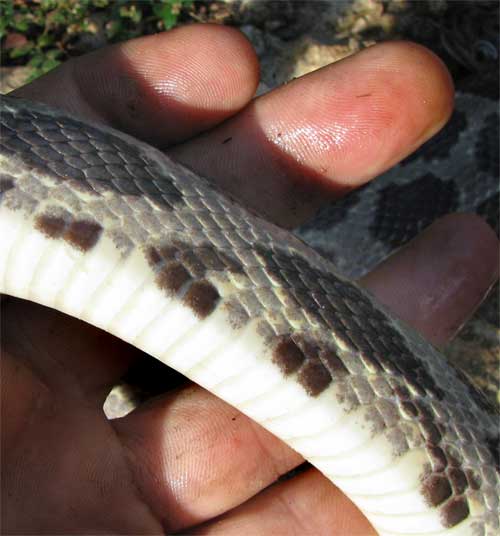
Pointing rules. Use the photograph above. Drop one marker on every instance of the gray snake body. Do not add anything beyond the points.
(107, 229)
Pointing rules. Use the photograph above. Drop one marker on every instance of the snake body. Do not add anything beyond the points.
(107, 229)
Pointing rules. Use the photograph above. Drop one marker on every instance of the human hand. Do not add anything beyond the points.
(186, 461)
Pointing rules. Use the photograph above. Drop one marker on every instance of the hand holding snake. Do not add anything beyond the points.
(186, 458)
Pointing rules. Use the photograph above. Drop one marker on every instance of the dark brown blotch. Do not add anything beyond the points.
(51, 226)
(202, 298)
(172, 277)
(458, 480)
(156, 256)
(287, 355)
(168, 252)
(454, 512)
(314, 377)
(430, 432)
(153, 258)
(436, 489)
(438, 458)
(83, 234)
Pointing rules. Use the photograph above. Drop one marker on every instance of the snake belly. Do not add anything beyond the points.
(107, 229)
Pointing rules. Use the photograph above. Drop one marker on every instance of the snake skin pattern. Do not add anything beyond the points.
(108, 229)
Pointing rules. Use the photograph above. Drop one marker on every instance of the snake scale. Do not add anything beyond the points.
(107, 229)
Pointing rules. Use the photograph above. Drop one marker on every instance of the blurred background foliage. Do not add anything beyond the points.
(43, 33)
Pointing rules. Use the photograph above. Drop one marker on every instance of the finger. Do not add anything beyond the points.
(437, 281)
(307, 504)
(218, 458)
(196, 456)
(59, 455)
(68, 355)
(162, 88)
(327, 132)
(20, 392)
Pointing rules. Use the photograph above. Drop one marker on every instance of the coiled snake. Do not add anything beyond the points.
(103, 227)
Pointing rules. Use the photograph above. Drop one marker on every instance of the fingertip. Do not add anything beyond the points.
(422, 69)
(369, 111)
(212, 66)
(427, 84)
(437, 280)
(409, 98)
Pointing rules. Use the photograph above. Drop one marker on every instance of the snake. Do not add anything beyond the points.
(110, 230)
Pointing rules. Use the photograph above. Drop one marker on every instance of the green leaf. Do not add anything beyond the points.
(59, 17)
(36, 61)
(20, 24)
(131, 12)
(167, 12)
(49, 64)
(113, 28)
(48, 5)
(7, 16)
(45, 40)
(53, 54)
(23, 50)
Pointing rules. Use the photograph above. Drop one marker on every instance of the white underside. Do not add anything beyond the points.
(121, 297)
